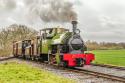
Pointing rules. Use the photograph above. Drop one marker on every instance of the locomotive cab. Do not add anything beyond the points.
(48, 33)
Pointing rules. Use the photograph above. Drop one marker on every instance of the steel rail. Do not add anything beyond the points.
(98, 74)
(109, 66)
(94, 73)
(7, 58)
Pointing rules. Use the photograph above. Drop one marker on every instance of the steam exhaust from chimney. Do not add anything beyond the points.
(61, 11)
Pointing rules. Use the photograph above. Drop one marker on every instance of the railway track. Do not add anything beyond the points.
(106, 71)
(98, 74)
(109, 66)
(6, 58)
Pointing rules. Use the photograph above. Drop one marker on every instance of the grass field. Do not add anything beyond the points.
(113, 57)
(14, 72)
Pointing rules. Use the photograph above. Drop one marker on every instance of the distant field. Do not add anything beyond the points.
(21, 73)
(114, 57)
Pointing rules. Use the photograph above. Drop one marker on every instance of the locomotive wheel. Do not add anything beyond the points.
(82, 63)
(65, 63)
(52, 59)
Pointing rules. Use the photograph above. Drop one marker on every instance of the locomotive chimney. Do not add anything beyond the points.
(74, 24)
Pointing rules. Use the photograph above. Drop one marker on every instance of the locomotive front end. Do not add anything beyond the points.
(76, 56)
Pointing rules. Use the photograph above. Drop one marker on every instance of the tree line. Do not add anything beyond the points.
(93, 45)
(14, 33)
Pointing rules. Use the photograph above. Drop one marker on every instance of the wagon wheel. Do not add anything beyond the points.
(32, 58)
(24, 57)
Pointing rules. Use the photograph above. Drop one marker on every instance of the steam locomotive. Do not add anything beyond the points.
(55, 46)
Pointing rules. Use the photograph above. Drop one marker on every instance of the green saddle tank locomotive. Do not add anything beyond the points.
(55, 46)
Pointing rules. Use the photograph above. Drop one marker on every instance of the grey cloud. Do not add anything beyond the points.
(109, 21)
(7, 4)
(114, 9)
(109, 36)
(100, 25)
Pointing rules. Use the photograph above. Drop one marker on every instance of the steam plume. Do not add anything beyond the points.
(52, 10)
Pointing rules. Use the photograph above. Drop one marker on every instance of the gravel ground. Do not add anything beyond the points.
(79, 77)
(2, 57)
(111, 71)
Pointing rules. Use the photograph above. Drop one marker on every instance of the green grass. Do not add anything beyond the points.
(113, 57)
(13, 72)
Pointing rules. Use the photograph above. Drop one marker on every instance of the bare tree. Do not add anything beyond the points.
(14, 33)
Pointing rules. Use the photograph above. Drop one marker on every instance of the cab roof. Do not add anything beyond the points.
(53, 28)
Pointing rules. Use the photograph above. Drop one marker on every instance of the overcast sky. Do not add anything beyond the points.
(99, 20)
